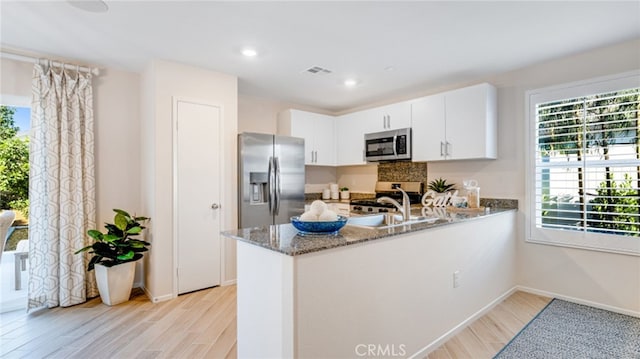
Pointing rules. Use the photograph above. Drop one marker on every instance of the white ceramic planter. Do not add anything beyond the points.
(344, 195)
(114, 283)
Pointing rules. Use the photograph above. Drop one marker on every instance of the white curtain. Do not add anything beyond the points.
(61, 187)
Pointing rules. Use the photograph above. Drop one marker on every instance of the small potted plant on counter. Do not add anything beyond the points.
(441, 186)
(344, 193)
(115, 254)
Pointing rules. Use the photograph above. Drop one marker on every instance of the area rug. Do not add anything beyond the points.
(568, 330)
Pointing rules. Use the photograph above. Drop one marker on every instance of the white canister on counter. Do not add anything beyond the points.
(333, 187)
(326, 193)
(335, 195)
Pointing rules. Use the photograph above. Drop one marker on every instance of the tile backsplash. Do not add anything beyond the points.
(403, 172)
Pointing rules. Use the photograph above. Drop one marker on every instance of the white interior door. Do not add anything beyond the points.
(197, 185)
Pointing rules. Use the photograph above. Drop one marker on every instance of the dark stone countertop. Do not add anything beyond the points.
(284, 238)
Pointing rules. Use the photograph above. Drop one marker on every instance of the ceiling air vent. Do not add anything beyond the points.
(317, 70)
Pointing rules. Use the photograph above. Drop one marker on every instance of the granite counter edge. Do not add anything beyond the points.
(349, 235)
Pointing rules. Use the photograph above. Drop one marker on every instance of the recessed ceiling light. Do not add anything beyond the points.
(249, 52)
(89, 5)
(350, 82)
(389, 68)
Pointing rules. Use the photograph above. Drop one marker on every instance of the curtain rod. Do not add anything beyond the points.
(35, 60)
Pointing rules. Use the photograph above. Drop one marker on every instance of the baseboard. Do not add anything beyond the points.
(159, 299)
(458, 328)
(229, 282)
(579, 301)
(14, 304)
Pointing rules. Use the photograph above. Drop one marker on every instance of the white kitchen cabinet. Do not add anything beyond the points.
(456, 125)
(350, 130)
(318, 132)
(389, 117)
(428, 128)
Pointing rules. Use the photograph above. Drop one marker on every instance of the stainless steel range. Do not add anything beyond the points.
(415, 190)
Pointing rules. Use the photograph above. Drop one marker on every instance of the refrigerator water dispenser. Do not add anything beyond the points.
(258, 183)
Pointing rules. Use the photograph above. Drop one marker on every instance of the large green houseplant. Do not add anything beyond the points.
(114, 255)
(117, 245)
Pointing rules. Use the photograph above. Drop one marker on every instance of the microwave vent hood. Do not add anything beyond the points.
(388, 146)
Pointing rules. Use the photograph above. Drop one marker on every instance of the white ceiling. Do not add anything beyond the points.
(428, 44)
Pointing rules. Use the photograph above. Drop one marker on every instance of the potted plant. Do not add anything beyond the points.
(441, 186)
(344, 193)
(115, 254)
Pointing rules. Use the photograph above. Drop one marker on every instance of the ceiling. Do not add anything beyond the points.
(391, 48)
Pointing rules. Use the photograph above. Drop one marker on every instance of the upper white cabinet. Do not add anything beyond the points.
(455, 125)
(350, 130)
(318, 132)
(428, 130)
(389, 117)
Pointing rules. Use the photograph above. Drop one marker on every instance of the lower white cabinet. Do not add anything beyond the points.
(456, 125)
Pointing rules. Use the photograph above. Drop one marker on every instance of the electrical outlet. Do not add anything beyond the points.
(456, 279)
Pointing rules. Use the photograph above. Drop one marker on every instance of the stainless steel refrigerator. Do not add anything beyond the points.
(271, 179)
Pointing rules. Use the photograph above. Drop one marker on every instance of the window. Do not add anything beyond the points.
(584, 165)
(14, 195)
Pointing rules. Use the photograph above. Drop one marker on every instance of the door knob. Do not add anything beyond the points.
(215, 206)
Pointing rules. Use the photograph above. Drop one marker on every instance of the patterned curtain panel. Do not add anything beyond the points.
(61, 187)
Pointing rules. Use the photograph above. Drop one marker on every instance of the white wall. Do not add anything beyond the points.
(604, 278)
(161, 81)
(15, 82)
(117, 133)
(258, 114)
(358, 178)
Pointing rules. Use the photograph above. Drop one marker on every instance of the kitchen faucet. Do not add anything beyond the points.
(405, 208)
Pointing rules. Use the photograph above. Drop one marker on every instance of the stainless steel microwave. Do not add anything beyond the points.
(391, 145)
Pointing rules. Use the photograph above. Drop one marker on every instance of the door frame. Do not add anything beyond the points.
(174, 185)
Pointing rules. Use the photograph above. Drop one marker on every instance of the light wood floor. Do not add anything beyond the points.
(486, 336)
(197, 325)
(203, 325)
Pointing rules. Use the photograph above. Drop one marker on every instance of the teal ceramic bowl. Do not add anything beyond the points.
(318, 227)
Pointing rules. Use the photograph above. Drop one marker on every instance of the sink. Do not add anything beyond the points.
(387, 220)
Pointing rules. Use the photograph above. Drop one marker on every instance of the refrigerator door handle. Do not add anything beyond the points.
(270, 184)
(277, 189)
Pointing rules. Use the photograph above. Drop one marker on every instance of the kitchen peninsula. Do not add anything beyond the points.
(392, 289)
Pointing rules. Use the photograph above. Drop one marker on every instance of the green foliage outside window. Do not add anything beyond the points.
(14, 164)
(619, 204)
